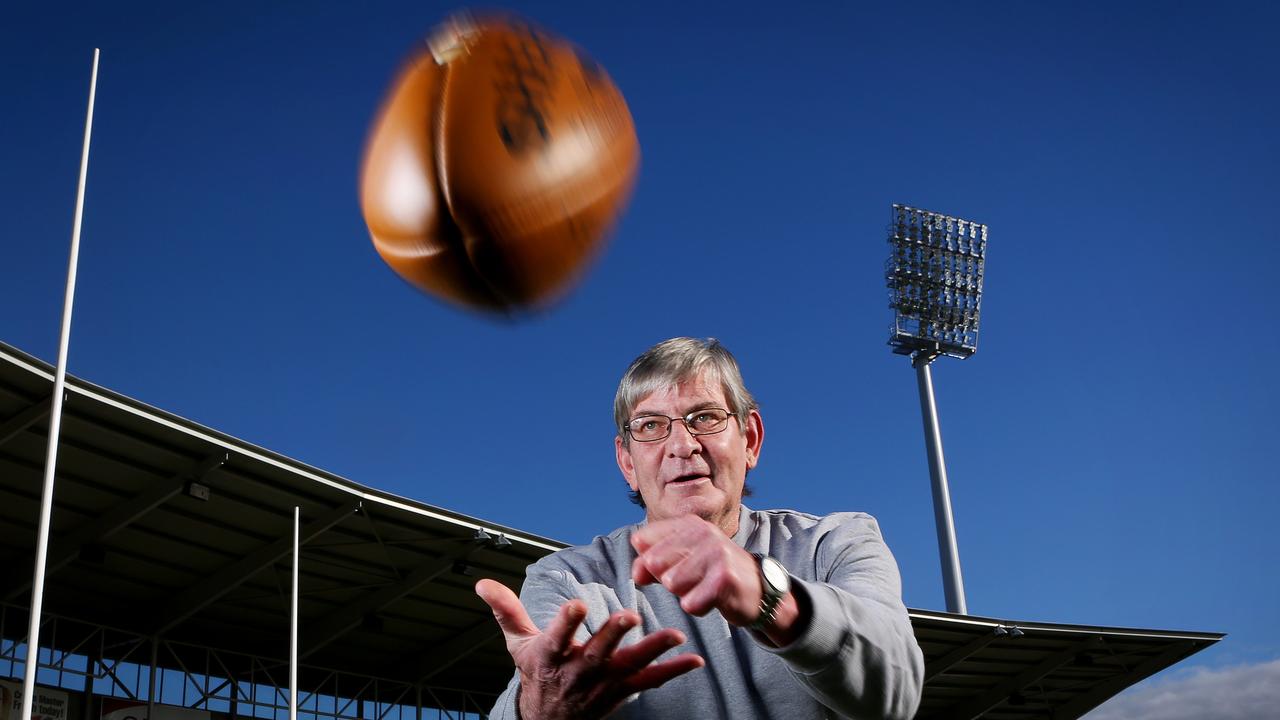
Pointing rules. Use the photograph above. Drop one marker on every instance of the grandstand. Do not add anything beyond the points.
(168, 587)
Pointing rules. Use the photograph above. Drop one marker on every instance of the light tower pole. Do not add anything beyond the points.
(934, 273)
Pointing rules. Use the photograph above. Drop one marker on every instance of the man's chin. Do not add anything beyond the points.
(707, 506)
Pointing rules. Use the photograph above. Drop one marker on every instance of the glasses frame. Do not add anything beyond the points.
(684, 420)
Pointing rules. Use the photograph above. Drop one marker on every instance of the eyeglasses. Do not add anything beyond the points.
(651, 428)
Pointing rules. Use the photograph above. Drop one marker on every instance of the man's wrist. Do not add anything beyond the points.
(792, 619)
(520, 714)
(532, 711)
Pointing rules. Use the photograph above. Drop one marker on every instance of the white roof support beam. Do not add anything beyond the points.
(1001, 692)
(342, 620)
(66, 549)
(438, 658)
(233, 575)
(24, 419)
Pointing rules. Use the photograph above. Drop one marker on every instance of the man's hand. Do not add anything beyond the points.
(703, 567)
(560, 678)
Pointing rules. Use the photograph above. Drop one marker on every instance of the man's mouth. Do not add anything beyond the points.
(686, 479)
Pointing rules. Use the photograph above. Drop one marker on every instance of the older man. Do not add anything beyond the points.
(784, 614)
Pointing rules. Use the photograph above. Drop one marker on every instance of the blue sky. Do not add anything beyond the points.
(1110, 446)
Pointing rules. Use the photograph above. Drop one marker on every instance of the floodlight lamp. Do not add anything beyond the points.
(934, 275)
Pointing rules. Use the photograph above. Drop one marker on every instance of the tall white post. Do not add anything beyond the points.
(293, 622)
(55, 420)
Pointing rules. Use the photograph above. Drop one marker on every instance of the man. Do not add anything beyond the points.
(787, 615)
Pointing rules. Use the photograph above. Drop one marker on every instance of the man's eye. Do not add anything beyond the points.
(708, 420)
(648, 425)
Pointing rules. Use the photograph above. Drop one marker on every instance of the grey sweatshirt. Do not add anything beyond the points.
(857, 658)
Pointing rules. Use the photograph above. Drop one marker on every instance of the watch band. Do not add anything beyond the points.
(772, 593)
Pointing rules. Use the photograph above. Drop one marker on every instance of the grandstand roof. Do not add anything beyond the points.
(1013, 670)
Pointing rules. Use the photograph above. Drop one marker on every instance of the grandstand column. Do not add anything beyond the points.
(151, 675)
(91, 662)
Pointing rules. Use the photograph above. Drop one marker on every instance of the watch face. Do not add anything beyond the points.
(775, 574)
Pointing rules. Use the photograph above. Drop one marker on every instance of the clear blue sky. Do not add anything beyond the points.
(1108, 445)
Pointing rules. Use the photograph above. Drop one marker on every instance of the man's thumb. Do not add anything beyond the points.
(508, 611)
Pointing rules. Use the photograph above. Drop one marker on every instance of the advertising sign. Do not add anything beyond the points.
(118, 709)
(48, 705)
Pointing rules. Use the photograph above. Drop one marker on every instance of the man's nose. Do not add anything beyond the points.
(682, 443)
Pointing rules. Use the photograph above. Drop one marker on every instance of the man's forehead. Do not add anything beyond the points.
(700, 389)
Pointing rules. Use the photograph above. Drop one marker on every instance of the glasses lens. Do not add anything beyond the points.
(707, 421)
(650, 427)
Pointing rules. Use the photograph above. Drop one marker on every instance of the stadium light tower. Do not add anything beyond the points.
(934, 273)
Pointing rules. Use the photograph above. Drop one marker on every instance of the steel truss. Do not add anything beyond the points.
(96, 660)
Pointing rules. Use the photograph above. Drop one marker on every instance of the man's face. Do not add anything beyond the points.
(691, 474)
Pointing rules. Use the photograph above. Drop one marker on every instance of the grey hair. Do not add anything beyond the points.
(674, 361)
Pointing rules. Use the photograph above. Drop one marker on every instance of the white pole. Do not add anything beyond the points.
(293, 624)
(55, 420)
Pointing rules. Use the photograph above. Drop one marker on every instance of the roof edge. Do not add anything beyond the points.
(36, 366)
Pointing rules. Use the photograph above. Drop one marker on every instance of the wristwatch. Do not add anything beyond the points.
(776, 584)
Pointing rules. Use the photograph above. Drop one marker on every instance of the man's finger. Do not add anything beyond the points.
(650, 533)
(640, 572)
(659, 673)
(606, 639)
(559, 634)
(634, 657)
(660, 557)
(689, 572)
(508, 611)
(714, 587)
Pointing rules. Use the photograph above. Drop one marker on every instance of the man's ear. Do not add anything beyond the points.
(625, 464)
(755, 438)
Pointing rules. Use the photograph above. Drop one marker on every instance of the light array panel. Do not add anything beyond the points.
(934, 274)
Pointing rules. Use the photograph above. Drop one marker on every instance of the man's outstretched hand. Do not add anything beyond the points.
(561, 678)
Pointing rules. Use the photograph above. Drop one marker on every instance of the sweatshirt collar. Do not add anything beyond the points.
(746, 526)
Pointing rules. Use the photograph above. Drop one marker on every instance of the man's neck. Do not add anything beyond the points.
(728, 524)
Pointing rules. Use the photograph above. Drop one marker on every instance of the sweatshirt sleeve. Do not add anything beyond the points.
(858, 654)
(543, 593)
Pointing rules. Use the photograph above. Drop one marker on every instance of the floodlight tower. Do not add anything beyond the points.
(934, 275)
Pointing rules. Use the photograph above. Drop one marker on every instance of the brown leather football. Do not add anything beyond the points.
(500, 160)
